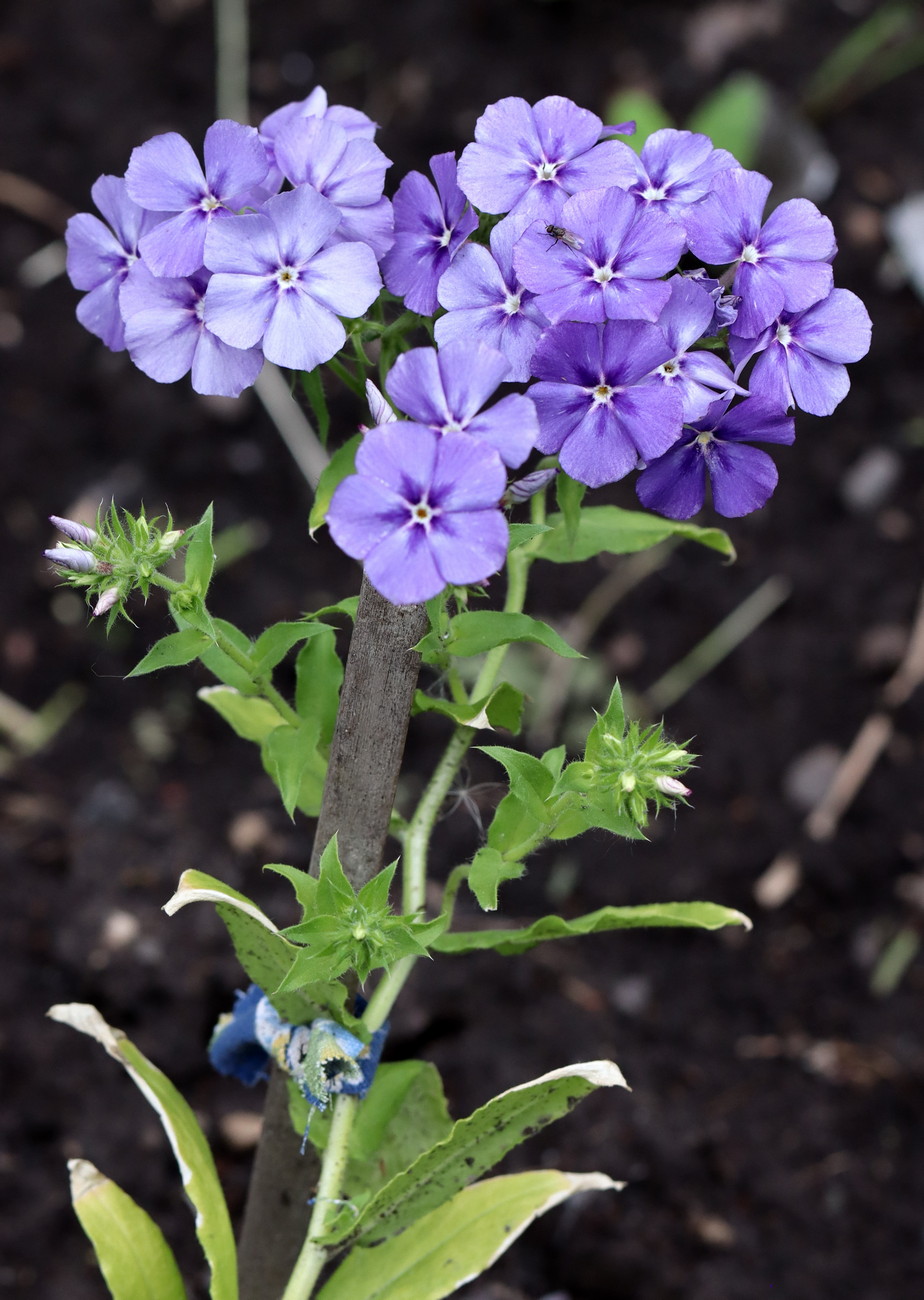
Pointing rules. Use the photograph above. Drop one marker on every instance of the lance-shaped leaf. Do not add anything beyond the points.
(502, 708)
(173, 651)
(193, 1157)
(342, 463)
(131, 1251)
(278, 640)
(697, 916)
(476, 631)
(251, 717)
(452, 1245)
(618, 531)
(477, 1143)
(200, 555)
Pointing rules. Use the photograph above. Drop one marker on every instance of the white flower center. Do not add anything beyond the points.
(545, 171)
(511, 304)
(704, 439)
(423, 513)
(444, 238)
(783, 335)
(602, 393)
(669, 369)
(603, 274)
(652, 193)
(750, 254)
(208, 203)
(452, 426)
(286, 277)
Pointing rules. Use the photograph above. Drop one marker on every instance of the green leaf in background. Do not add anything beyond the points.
(200, 556)
(569, 494)
(698, 916)
(477, 1143)
(131, 1251)
(318, 678)
(502, 708)
(735, 116)
(620, 532)
(172, 651)
(643, 109)
(250, 717)
(477, 631)
(342, 463)
(193, 1157)
(455, 1243)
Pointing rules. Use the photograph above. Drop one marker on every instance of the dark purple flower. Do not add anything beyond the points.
(783, 264)
(743, 477)
(609, 265)
(801, 356)
(484, 300)
(675, 169)
(430, 227)
(276, 281)
(530, 159)
(164, 175)
(594, 407)
(348, 170)
(98, 259)
(447, 389)
(166, 336)
(698, 376)
(421, 511)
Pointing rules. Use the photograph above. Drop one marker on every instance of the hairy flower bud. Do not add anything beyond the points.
(76, 532)
(71, 557)
(107, 600)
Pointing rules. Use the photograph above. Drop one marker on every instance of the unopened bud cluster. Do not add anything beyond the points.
(636, 768)
(121, 553)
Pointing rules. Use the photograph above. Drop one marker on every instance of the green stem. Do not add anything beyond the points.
(313, 1255)
(262, 683)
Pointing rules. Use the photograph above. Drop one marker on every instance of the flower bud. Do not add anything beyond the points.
(76, 532)
(106, 601)
(71, 557)
(379, 408)
(670, 785)
(529, 485)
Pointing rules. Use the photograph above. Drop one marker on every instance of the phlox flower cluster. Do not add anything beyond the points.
(662, 319)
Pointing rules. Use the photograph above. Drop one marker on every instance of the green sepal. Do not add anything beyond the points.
(509, 943)
(620, 532)
(341, 464)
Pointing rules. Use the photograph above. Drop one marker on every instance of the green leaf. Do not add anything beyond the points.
(313, 388)
(131, 1251)
(278, 640)
(700, 916)
(475, 632)
(318, 678)
(576, 813)
(172, 651)
(488, 872)
(620, 532)
(342, 463)
(291, 757)
(502, 708)
(200, 555)
(520, 534)
(735, 116)
(569, 494)
(336, 895)
(530, 779)
(223, 667)
(642, 108)
(197, 1168)
(304, 884)
(265, 954)
(477, 1143)
(248, 716)
(455, 1243)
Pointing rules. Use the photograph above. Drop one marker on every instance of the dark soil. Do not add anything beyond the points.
(772, 1143)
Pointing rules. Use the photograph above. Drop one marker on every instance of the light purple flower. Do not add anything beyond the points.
(72, 557)
(76, 532)
(675, 169)
(379, 408)
(609, 267)
(801, 356)
(430, 227)
(164, 175)
(484, 300)
(421, 511)
(743, 477)
(725, 305)
(530, 159)
(447, 389)
(783, 264)
(348, 170)
(594, 407)
(276, 281)
(356, 124)
(700, 376)
(98, 259)
(166, 336)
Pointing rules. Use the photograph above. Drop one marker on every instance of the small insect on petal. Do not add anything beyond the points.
(559, 235)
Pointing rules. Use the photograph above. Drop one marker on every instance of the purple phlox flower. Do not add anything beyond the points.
(743, 477)
(76, 532)
(611, 266)
(277, 281)
(447, 389)
(484, 300)
(621, 128)
(166, 335)
(355, 123)
(675, 169)
(530, 159)
(72, 557)
(698, 376)
(802, 355)
(783, 264)
(348, 170)
(430, 227)
(164, 175)
(529, 485)
(594, 407)
(421, 511)
(725, 305)
(379, 407)
(98, 259)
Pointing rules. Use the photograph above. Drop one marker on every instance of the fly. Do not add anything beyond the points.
(559, 235)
